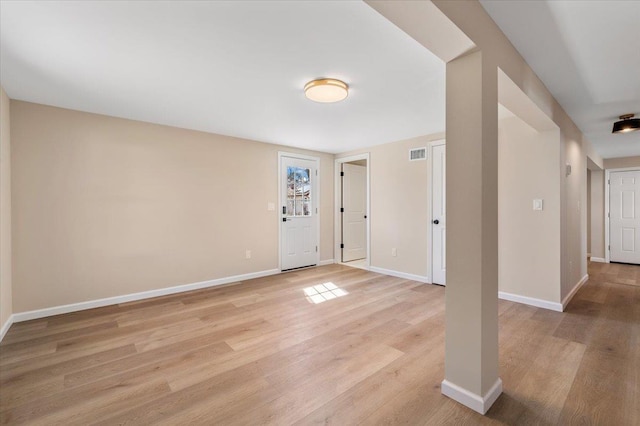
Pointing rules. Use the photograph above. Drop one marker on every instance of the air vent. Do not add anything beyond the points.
(418, 154)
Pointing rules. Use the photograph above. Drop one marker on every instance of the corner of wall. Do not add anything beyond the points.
(6, 296)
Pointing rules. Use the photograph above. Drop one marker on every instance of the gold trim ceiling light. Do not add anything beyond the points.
(326, 90)
(626, 124)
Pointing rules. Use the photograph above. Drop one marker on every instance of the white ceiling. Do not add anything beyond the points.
(588, 55)
(233, 68)
(238, 68)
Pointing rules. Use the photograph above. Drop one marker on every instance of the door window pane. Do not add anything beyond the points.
(298, 191)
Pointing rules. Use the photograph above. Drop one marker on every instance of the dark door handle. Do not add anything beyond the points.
(435, 222)
(365, 216)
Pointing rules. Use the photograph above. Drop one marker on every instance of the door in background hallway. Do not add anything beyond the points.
(624, 211)
(438, 214)
(354, 217)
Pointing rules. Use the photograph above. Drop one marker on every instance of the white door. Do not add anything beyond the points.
(354, 217)
(299, 203)
(624, 212)
(438, 214)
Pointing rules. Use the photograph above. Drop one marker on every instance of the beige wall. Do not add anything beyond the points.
(529, 241)
(6, 306)
(105, 206)
(597, 214)
(400, 203)
(621, 163)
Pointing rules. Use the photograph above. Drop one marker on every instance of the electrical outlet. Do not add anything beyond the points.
(248, 254)
(394, 252)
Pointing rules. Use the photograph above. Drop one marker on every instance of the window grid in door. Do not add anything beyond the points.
(298, 191)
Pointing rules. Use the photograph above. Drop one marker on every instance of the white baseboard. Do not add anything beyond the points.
(598, 259)
(478, 403)
(326, 262)
(90, 304)
(5, 326)
(419, 278)
(573, 291)
(532, 301)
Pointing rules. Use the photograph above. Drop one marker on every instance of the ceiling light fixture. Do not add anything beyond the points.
(326, 90)
(626, 124)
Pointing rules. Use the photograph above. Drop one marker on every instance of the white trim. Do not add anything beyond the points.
(430, 201)
(606, 216)
(419, 278)
(90, 304)
(6, 326)
(478, 403)
(326, 262)
(531, 301)
(573, 291)
(598, 259)
(315, 200)
(337, 227)
(607, 177)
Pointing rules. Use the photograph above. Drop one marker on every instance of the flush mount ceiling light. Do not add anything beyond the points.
(626, 124)
(326, 90)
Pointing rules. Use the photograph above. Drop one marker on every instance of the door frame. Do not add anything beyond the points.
(337, 253)
(430, 207)
(607, 176)
(314, 200)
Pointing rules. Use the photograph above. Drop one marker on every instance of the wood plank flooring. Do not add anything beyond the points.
(261, 353)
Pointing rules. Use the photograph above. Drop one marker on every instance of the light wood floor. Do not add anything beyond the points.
(261, 353)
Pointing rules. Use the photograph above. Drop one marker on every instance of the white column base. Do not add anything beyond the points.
(478, 403)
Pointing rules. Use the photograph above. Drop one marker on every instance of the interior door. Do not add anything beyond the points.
(354, 217)
(439, 214)
(299, 224)
(624, 221)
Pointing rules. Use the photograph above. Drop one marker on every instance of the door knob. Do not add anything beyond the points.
(435, 222)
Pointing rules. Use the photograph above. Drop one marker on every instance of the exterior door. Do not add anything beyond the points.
(438, 214)
(624, 222)
(299, 224)
(354, 217)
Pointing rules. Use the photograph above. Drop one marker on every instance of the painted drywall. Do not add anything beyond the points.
(105, 206)
(399, 204)
(6, 305)
(529, 240)
(622, 163)
(597, 214)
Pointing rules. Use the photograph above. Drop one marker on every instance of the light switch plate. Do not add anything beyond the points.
(271, 207)
(538, 204)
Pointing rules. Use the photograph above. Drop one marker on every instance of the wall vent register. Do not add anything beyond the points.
(417, 154)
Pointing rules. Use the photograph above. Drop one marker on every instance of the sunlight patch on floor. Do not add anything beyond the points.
(323, 292)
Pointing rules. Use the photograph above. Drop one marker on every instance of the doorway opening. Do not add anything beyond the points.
(352, 212)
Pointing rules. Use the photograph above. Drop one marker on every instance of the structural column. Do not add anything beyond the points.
(471, 352)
